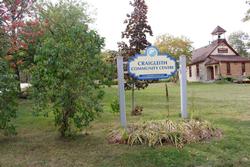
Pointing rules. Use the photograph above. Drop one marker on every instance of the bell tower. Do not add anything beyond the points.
(218, 31)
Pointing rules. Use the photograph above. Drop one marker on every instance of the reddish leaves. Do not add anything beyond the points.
(20, 32)
(136, 34)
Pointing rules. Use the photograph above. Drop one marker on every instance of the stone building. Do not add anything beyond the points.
(218, 59)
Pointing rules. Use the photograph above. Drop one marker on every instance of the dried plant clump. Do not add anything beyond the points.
(137, 111)
(165, 132)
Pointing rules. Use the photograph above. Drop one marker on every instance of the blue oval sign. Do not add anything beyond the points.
(151, 65)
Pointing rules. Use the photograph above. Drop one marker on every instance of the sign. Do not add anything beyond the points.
(151, 65)
(222, 50)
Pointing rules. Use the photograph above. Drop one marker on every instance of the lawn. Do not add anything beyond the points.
(227, 106)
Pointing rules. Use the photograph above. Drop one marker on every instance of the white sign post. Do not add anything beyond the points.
(183, 85)
(122, 103)
(151, 66)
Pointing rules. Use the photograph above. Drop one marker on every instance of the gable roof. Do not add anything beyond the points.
(218, 31)
(201, 54)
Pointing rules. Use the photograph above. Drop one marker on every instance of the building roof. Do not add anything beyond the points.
(218, 31)
(211, 62)
(201, 54)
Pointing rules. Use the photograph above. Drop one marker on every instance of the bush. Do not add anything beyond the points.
(165, 132)
(225, 80)
(115, 106)
(229, 79)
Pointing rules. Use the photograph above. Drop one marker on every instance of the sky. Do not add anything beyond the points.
(195, 19)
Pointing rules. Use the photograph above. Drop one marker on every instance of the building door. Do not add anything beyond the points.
(212, 73)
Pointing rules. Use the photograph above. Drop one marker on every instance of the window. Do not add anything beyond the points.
(197, 70)
(243, 67)
(190, 71)
(228, 68)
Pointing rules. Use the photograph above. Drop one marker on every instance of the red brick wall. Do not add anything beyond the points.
(248, 69)
(236, 69)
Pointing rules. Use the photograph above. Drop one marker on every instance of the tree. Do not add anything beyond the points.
(174, 46)
(136, 33)
(109, 57)
(8, 87)
(69, 74)
(18, 16)
(8, 105)
(247, 16)
(3, 43)
(240, 42)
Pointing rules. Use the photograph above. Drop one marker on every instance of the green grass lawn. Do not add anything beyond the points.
(227, 106)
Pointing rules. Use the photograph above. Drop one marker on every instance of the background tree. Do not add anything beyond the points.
(8, 89)
(109, 57)
(247, 15)
(16, 16)
(174, 46)
(69, 73)
(136, 34)
(240, 42)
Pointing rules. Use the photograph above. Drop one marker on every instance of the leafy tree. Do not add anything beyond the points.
(240, 42)
(136, 34)
(16, 16)
(69, 73)
(8, 89)
(3, 43)
(109, 57)
(247, 16)
(174, 46)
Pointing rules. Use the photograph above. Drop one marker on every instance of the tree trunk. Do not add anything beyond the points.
(176, 78)
(167, 98)
(133, 97)
(17, 72)
(64, 124)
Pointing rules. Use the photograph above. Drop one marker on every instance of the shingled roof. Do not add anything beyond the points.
(218, 31)
(201, 54)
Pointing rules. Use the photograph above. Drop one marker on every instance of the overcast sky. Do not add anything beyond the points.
(194, 19)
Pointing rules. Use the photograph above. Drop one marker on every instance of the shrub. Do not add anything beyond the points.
(115, 106)
(225, 80)
(229, 79)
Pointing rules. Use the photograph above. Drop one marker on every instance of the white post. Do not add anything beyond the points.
(122, 103)
(183, 85)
